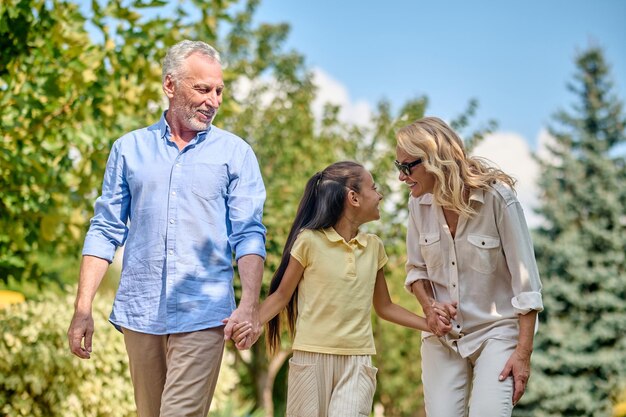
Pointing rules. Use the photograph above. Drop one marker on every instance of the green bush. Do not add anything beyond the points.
(40, 377)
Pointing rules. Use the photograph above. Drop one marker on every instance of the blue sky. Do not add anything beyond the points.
(515, 57)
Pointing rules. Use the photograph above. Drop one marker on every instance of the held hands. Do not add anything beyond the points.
(244, 314)
(439, 316)
(240, 332)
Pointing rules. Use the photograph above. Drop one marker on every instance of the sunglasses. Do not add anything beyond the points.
(406, 168)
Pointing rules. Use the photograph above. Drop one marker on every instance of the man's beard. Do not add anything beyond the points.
(191, 116)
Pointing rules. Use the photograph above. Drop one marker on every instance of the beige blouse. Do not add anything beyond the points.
(488, 268)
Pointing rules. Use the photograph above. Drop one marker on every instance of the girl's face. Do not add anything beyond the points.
(369, 198)
(419, 181)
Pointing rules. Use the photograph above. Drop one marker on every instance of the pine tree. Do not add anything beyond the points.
(579, 364)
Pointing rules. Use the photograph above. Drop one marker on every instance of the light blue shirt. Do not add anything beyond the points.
(182, 215)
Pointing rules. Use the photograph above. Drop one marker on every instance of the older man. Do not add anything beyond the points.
(184, 195)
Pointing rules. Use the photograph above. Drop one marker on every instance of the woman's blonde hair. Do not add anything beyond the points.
(444, 156)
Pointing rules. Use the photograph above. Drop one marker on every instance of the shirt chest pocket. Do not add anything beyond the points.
(484, 251)
(430, 246)
(209, 181)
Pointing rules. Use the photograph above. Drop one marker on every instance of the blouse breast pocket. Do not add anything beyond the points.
(430, 246)
(209, 181)
(484, 252)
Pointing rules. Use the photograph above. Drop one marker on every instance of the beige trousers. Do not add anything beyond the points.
(174, 375)
(462, 387)
(322, 385)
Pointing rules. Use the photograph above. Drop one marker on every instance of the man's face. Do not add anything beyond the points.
(197, 94)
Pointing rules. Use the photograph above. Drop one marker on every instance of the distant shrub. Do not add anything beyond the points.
(40, 377)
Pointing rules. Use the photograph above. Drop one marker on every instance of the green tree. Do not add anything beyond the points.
(580, 350)
(68, 93)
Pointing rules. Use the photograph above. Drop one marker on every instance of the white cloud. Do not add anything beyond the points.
(243, 87)
(333, 92)
(511, 153)
(545, 139)
(329, 90)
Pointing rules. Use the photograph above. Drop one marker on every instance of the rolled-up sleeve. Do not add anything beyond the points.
(520, 258)
(246, 196)
(108, 229)
(415, 264)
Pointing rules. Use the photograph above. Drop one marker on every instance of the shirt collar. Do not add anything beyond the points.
(426, 199)
(476, 194)
(333, 236)
(166, 131)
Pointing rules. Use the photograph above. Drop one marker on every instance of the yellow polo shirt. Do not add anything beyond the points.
(336, 290)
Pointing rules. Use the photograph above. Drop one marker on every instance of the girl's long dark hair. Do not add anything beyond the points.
(320, 207)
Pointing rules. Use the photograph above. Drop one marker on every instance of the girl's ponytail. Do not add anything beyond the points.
(320, 207)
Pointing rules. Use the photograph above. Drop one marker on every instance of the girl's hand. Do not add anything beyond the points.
(440, 322)
(240, 332)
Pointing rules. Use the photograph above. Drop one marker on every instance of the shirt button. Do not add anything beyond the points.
(171, 221)
(171, 252)
(454, 285)
(453, 263)
(173, 192)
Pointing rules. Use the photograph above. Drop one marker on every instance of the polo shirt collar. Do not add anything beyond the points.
(333, 236)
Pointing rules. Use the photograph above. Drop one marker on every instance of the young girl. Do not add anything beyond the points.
(328, 277)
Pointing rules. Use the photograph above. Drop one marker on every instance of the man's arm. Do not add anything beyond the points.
(251, 275)
(80, 332)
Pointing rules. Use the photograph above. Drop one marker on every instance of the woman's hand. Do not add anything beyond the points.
(518, 366)
(439, 317)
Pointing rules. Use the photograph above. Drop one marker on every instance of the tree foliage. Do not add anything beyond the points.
(74, 79)
(580, 350)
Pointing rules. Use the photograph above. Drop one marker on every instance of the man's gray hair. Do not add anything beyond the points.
(172, 63)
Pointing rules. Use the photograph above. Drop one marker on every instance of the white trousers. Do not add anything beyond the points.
(323, 385)
(466, 387)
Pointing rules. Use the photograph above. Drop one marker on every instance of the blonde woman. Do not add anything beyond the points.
(469, 257)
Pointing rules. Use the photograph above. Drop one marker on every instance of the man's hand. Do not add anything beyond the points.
(245, 313)
(81, 330)
(518, 366)
(92, 270)
(239, 333)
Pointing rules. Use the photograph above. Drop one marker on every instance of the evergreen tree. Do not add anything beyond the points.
(579, 364)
